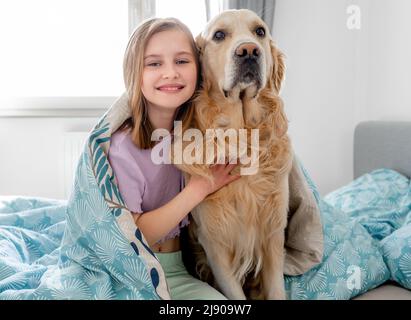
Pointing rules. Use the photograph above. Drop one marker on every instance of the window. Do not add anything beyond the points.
(62, 48)
(69, 53)
(191, 12)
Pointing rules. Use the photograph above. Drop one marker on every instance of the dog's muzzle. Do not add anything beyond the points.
(247, 59)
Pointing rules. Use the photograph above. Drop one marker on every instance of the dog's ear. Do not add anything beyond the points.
(278, 72)
(200, 44)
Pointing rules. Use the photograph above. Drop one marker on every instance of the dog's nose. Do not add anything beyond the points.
(247, 49)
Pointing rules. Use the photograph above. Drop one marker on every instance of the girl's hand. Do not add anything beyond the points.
(221, 177)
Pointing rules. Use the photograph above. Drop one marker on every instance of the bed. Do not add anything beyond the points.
(383, 144)
(36, 264)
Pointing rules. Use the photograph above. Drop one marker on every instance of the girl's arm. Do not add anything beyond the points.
(157, 223)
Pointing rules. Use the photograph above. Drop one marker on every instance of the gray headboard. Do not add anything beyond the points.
(382, 144)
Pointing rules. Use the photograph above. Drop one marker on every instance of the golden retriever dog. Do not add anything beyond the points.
(238, 231)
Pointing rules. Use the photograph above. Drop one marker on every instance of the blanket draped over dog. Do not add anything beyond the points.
(90, 248)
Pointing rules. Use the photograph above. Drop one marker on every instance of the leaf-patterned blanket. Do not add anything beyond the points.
(367, 238)
(90, 248)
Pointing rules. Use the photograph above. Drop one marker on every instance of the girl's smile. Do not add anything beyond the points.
(171, 88)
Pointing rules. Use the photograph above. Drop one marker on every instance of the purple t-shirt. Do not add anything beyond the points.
(144, 185)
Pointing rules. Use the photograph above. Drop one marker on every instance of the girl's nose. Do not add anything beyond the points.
(171, 72)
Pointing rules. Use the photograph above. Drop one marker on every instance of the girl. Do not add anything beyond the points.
(161, 72)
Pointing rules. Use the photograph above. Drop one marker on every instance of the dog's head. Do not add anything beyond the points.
(237, 51)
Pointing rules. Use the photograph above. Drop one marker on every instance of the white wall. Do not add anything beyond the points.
(31, 154)
(337, 77)
(389, 60)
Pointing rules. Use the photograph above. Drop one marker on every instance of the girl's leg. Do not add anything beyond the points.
(186, 287)
(182, 285)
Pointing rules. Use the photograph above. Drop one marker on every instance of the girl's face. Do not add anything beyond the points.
(170, 71)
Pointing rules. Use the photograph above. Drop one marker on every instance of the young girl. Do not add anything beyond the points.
(161, 72)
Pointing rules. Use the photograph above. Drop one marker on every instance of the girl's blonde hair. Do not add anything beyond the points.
(141, 127)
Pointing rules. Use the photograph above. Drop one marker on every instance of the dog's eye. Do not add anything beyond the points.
(219, 36)
(260, 31)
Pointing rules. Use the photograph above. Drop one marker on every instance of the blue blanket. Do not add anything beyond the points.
(381, 203)
(367, 237)
(90, 248)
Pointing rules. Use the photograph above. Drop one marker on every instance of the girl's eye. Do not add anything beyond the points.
(154, 64)
(182, 61)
